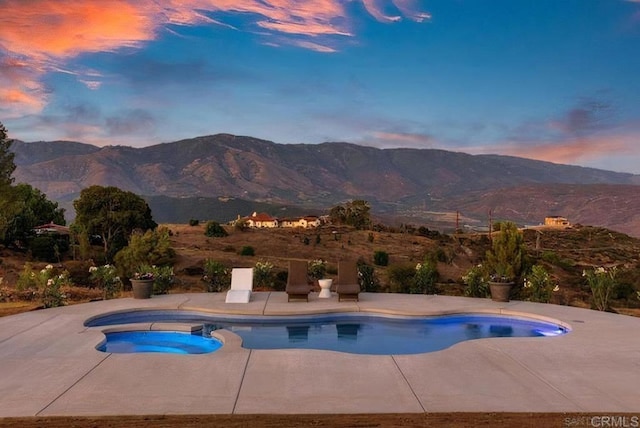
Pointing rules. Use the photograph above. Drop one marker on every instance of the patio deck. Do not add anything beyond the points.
(50, 365)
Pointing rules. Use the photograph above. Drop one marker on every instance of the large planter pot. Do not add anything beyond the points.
(142, 288)
(500, 291)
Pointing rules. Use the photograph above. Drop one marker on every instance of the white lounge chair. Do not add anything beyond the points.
(241, 285)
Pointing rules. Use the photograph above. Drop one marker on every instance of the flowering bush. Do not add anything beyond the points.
(216, 275)
(539, 286)
(476, 283)
(46, 284)
(263, 274)
(601, 281)
(367, 277)
(317, 269)
(52, 294)
(424, 280)
(106, 278)
(163, 279)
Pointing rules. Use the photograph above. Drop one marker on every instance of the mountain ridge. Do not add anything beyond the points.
(396, 181)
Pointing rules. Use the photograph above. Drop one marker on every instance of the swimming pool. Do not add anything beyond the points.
(356, 333)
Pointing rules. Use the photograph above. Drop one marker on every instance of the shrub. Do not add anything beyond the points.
(263, 274)
(280, 282)
(152, 248)
(46, 284)
(215, 230)
(380, 258)
(602, 282)
(550, 257)
(441, 256)
(624, 290)
(368, 279)
(539, 285)
(163, 279)
(52, 293)
(505, 259)
(194, 222)
(317, 269)
(553, 258)
(247, 250)
(401, 278)
(42, 248)
(241, 225)
(216, 275)
(424, 280)
(106, 278)
(476, 284)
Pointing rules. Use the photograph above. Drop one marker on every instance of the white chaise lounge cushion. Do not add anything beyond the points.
(241, 285)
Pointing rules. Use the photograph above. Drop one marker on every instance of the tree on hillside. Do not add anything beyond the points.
(151, 248)
(7, 166)
(8, 200)
(355, 213)
(113, 214)
(32, 208)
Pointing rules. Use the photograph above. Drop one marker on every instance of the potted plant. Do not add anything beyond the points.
(317, 271)
(142, 282)
(504, 261)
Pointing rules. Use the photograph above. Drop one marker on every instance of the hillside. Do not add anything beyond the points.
(418, 185)
(564, 252)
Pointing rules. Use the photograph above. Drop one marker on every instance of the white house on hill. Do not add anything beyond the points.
(262, 220)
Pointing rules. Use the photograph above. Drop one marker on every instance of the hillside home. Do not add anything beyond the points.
(556, 221)
(302, 222)
(262, 220)
(51, 229)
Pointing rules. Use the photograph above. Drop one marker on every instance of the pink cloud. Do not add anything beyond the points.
(570, 151)
(387, 140)
(20, 90)
(375, 8)
(45, 33)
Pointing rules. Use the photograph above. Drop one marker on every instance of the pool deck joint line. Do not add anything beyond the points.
(50, 366)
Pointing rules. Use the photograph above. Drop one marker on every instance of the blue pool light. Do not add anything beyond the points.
(172, 342)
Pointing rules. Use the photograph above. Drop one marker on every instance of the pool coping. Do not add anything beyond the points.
(50, 365)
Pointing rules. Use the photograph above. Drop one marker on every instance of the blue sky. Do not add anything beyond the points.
(555, 80)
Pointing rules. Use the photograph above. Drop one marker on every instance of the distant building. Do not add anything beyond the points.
(262, 220)
(302, 222)
(556, 221)
(51, 229)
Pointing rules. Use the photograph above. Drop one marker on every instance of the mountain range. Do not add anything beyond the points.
(419, 186)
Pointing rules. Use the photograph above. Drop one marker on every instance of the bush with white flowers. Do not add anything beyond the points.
(539, 286)
(602, 282)
(106, 278)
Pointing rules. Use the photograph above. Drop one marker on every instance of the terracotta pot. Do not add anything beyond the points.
(500, 291)
(142, 288)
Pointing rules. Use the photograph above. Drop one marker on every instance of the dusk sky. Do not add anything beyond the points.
(556, 80)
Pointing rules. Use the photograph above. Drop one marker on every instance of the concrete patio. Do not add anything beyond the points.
(50, 365)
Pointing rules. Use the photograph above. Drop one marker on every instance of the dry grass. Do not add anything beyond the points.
(455, 420)
(574, 250)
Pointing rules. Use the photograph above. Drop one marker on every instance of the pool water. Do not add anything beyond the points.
(173, 342)
(353, 332)
(384, 336)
